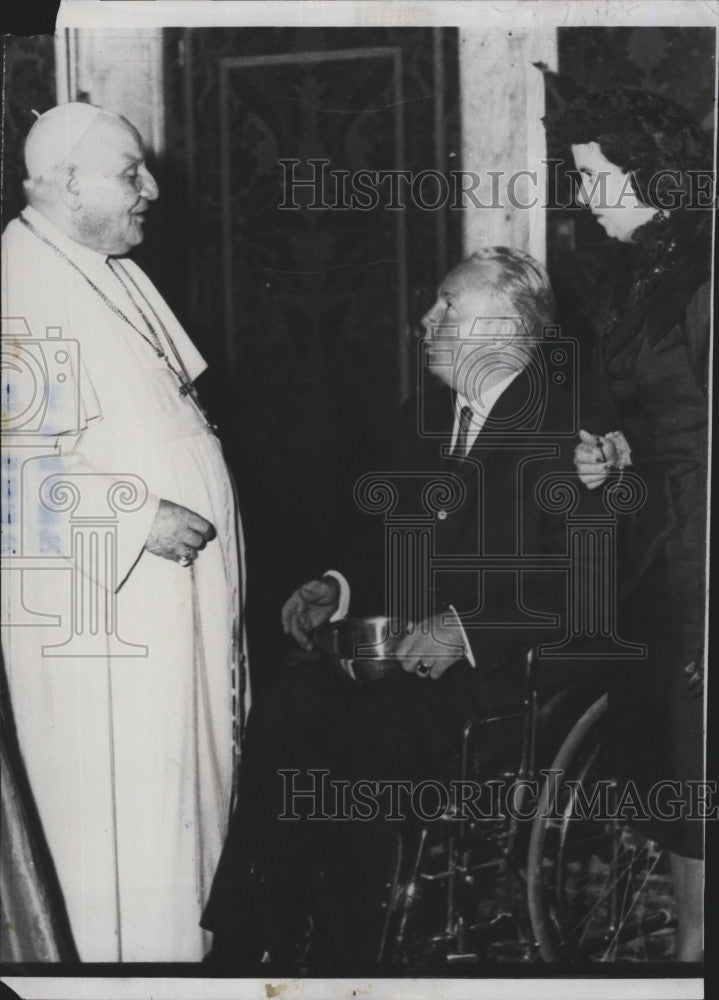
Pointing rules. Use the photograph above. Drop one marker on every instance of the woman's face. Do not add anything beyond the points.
(608, 193)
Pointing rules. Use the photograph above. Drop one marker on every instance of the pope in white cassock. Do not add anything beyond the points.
(124, 646)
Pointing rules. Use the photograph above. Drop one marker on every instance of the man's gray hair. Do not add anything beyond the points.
(521, 279)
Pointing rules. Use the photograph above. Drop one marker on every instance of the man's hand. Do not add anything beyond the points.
(312, 605)
(431, 648)
(178, 533)
(594, 457)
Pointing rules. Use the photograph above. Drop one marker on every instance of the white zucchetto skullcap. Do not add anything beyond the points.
(55, 135)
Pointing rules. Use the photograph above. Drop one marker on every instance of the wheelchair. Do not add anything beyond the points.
(540, 878)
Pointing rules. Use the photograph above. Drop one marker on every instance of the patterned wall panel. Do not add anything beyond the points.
(302, 312)
(301, 287)
(675, 62)
(431, 139)
(28, 82)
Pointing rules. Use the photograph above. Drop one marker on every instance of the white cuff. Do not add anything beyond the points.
(469, 655)
(344, 604)
(624, 452)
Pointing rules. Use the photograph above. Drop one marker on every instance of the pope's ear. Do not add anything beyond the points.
(64, 179)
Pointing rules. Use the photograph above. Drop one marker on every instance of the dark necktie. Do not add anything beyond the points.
(465, 422)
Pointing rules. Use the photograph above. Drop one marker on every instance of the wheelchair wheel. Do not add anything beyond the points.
(597, 890)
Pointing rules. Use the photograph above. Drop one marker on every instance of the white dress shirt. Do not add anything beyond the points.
(480, 410)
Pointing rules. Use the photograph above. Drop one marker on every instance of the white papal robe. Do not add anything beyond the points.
(127, 710)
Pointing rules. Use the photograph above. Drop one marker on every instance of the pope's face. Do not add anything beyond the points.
(113, 187)
(608, 193)
(469, 332)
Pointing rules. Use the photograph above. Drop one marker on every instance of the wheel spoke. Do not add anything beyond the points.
(586, 879)
(636, 897)
(608, 887)
(598, 890)
(634, 865)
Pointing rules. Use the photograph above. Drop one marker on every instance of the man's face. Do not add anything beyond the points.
(114, 187)
(608, 193)
(469, 332)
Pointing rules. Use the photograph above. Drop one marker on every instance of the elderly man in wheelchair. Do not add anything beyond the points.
(394, 808)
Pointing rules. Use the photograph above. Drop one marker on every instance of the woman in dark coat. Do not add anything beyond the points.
(644, 168)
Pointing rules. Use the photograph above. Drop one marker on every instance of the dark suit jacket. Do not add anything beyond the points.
(405, 727)
(506, 608)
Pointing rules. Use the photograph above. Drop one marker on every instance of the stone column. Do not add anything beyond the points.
(502, 103)
(118, 69)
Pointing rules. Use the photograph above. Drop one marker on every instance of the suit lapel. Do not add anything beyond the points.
(486, 448)
(440, 415)
(494, 429)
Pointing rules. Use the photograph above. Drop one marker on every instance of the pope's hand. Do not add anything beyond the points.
(178, 533)
(594, 456)
(310, 606)
(431, 648)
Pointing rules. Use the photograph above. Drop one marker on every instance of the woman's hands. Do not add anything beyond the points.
(596, 456)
